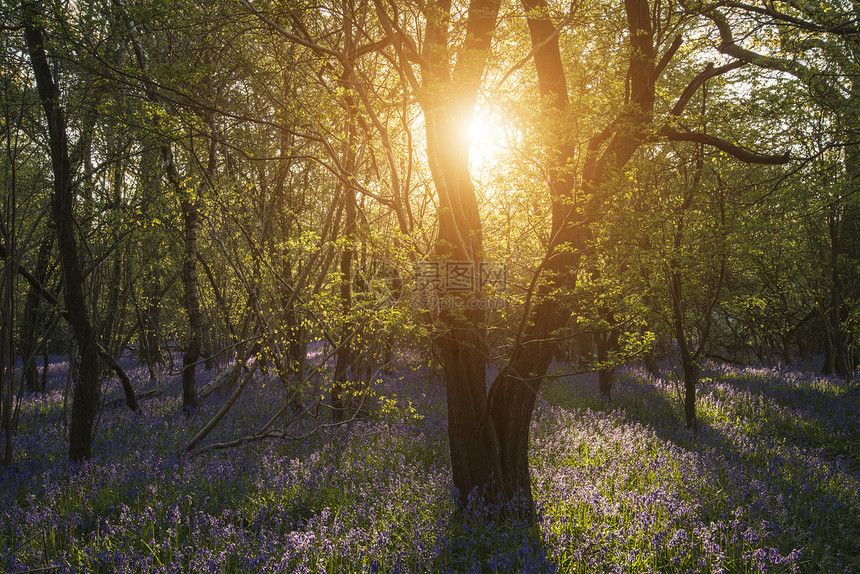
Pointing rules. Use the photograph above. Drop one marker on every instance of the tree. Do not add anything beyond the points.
(816, 44)
(86, 391)
(488, 432)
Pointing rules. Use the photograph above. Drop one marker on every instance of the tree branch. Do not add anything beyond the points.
(843, 28)
(812, 78)
(733, 150)
(667, 57)
(709, 72)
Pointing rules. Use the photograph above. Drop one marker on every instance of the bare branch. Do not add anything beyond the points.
(225, 408)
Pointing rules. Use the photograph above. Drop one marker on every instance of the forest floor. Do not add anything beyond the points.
(770, 483)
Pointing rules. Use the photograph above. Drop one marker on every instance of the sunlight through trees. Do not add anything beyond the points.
(308, 200)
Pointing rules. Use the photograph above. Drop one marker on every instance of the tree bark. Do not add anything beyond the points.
(192, 307)
(85, 398)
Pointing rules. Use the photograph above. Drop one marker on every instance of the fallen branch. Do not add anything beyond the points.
(130, 399)
(228, 376)
(154, 393)
(224, 409)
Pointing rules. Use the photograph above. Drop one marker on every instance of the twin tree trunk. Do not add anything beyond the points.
(489, 432)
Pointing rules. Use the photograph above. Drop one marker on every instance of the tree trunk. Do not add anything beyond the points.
(689, 365)
(651, 364)
(605, 377)
(691, 381)
(839, 358)
(7, 348)
(190, 205)
(489, 434)
(33, 317)
(787, 341)
(345, 355)
(85, 397)
(192, 307)
(294, 374)
(150, 318)
(606, 343)
(112, 315)
(448, 107)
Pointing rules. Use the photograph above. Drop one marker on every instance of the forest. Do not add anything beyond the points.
(430, 286)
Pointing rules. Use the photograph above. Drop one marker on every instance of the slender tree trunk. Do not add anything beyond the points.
(831, 317)
(605, 375)
(651, 364)
(840, 358)
(33, 317)
(787, 341)
(7, 349)
(606, 343)
(345, 355)
(688, 363)
(344, 361)
(691, 382)
(345, 373)
(689, 366)
(189, 205)
(112, 313)
(192, 307)
(85, 399)
(150, 318)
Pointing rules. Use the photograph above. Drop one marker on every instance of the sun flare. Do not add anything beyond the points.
(486, 138)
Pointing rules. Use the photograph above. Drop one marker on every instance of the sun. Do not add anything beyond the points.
(486, 141)
(481, 129)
